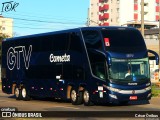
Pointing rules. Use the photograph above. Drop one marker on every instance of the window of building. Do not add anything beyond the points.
(145, 13)
(117, 19)
(111, 10)
(105, 1)
(118, 10)
(3, 22)
(117, 1)
(3, 28)
(91, 14)
(135, 1)
(145, 4)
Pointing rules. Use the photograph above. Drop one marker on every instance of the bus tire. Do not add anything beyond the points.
(86, 98)
(25, 94)
(18, 93)
(75, 98)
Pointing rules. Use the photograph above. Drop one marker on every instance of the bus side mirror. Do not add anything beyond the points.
(109, 60)
(156, 56)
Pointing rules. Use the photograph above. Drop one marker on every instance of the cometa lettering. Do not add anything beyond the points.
(63, 58)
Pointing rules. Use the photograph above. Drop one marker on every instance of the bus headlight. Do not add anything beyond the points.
(148, 84)
(113, 96)
(148, 88)
(149, 94)
(113, 89)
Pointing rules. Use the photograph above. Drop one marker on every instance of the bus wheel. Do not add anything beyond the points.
(75, 99)
(18, 93)
(25, 94)
(86, 98)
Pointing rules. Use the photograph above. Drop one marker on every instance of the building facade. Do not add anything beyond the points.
(119, 12)
(6, 26)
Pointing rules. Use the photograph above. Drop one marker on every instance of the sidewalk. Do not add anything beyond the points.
(155, 101)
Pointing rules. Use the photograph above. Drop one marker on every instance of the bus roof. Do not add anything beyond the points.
(71, 30)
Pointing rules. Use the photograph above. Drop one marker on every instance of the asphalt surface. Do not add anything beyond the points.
(60, 108)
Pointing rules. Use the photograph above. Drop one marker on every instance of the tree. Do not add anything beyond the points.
(2, 36)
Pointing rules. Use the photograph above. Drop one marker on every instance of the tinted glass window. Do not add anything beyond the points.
(61, 41)
(46, 43)
(75, 42)
(92, 39)
(118, 40)
(41, 72)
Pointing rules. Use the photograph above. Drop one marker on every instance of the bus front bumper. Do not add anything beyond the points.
(119, 97)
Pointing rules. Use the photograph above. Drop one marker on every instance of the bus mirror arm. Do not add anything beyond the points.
(156, 56)
(108, 57)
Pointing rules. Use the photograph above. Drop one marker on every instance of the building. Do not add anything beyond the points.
(152, 43)
(120, 12)
(6, 26)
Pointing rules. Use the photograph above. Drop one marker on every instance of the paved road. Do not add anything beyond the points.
(57, 105)
(52, 105)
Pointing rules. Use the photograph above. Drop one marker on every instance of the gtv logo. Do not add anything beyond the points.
(14, 55)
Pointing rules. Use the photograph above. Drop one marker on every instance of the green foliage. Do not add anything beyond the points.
(155, 91)
(2, 36)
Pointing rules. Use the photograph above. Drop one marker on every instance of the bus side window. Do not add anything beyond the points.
(98, 65)
(46, 43)
(61, 42)
(99, 70)
(78, 73)
(92, 39)
(75, 42)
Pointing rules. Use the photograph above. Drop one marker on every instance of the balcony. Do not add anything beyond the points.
(157, 8)
(135, 6)
(135, 16)
(104, 16)
(157, 18)
(105, 7)
(105, 24)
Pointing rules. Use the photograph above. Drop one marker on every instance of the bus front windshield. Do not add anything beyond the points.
(129, 70)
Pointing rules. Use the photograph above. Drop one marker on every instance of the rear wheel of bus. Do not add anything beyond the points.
(25, 94)
(86, 98)
(76, 98)
(18, 93)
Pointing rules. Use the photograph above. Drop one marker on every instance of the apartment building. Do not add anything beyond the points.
(6, 26)
(120, 12)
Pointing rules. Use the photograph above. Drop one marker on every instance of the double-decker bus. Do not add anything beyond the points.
(84, 65)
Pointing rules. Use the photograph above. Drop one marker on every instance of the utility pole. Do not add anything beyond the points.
(88, 18)
(142, 18)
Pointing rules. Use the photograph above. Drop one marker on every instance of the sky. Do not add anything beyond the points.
(39, 16)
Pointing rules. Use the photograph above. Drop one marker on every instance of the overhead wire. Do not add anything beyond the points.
(32, 23)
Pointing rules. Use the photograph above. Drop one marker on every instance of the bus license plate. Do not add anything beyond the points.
(133, 98)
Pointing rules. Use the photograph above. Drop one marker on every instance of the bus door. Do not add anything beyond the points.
(59, 80)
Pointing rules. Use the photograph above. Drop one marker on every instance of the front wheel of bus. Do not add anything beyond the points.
(75, 98)
(86, 98)
(18, 93)
(25, 94)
